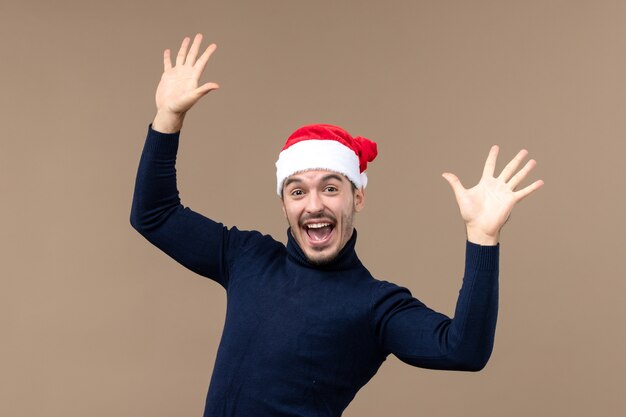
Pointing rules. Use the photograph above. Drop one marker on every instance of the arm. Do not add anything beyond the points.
(193, 240)
(423, 337)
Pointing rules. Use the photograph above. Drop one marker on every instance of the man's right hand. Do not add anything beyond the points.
(178, 89)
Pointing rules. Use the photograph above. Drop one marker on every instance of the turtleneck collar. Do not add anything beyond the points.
(345, 259)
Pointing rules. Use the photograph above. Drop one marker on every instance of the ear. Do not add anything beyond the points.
(359, 199)
(282, 206)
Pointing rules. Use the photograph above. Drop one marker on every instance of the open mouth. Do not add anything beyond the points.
(319, 233)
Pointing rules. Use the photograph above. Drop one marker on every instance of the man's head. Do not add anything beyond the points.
(320, 207)
(320, 178)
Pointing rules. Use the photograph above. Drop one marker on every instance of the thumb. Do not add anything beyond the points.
(454, 182)
(205, 88)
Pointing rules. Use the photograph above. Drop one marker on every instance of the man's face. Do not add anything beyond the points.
(320, 207)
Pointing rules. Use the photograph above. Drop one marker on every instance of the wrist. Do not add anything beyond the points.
(481, 238)
(168, 122)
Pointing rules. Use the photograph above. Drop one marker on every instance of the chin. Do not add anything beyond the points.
(320, 257)
(321, 260)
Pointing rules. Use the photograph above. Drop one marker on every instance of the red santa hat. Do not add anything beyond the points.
(323, 146)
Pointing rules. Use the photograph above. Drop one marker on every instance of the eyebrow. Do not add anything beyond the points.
(291, 181)
(332, 177)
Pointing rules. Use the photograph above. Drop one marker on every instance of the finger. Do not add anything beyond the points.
(182, 52)
(193, 51)
(204, 58)
(519, 177)
(523, 193)
(205, 88)
(167, 61)
(201, 91)
(512, 166)
(490, 164)
(454, 182)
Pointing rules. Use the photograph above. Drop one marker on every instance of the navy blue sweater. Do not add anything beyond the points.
(301, 340)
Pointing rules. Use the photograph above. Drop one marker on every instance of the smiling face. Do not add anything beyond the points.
(320, 207)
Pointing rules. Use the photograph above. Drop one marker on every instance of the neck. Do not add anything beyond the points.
(345, 259)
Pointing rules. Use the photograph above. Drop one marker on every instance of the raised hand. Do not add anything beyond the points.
(178, 89)
(487, 206)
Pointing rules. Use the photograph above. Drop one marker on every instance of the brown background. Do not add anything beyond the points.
(96, 321)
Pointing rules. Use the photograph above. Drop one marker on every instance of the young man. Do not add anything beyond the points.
(306, 324)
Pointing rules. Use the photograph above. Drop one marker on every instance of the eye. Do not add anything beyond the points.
(331, 189)
(296, 193)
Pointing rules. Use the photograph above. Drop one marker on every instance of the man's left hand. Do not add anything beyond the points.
(487, 206)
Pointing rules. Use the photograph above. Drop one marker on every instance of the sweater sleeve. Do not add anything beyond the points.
(198, 243)
(425, 338)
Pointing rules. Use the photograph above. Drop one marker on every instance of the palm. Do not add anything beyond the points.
(174, 90)
(487, 205)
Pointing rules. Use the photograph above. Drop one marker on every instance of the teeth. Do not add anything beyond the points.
(317, 225)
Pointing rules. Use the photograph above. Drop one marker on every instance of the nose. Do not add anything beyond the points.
(314, 203)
